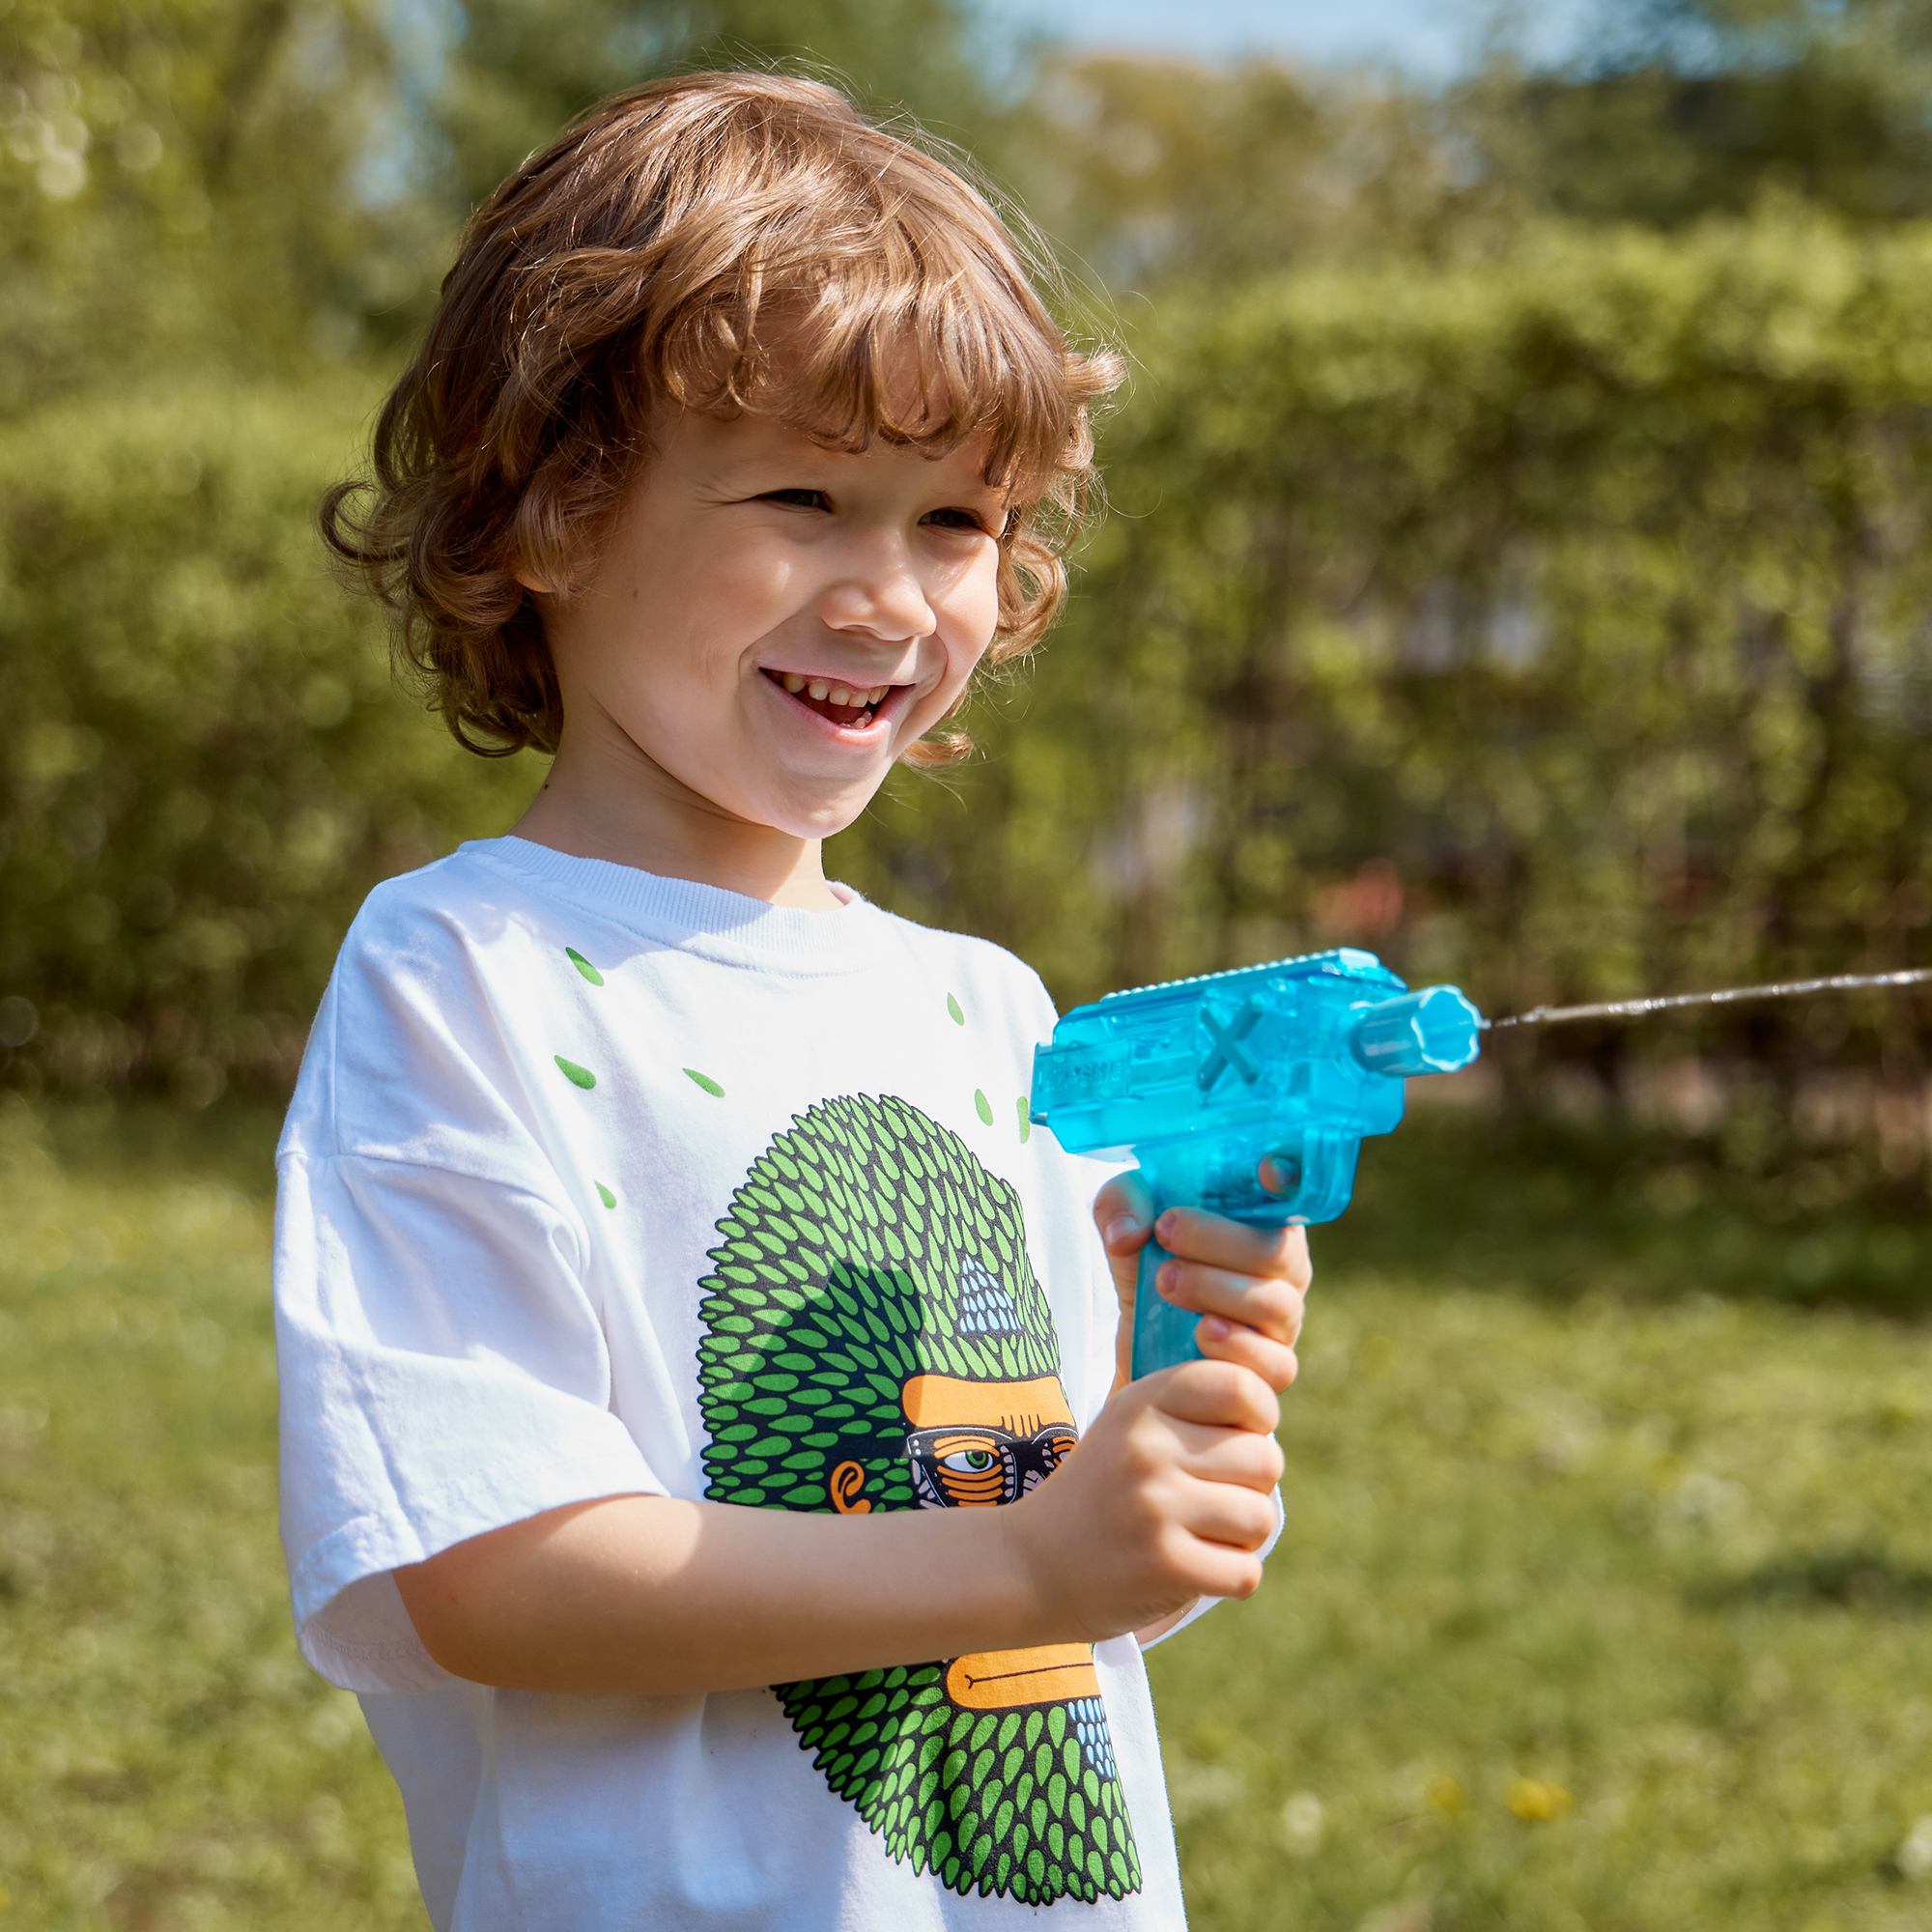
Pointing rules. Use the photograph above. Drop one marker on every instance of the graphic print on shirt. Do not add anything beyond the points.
(876, 1340)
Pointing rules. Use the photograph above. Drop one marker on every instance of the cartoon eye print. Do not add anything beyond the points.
(965, 1465)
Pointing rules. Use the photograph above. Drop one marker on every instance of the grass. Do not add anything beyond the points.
(166, 1758)
(1603, 1603)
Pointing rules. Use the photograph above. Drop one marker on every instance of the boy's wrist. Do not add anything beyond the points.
(1021, 1602)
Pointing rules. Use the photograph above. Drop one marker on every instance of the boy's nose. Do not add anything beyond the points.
(880, 593)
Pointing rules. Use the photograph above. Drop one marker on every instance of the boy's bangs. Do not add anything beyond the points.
(910, 339)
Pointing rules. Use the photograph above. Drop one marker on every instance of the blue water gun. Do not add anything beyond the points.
(1202, 1080)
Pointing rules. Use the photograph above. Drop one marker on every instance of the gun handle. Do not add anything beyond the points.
(1163, 1334)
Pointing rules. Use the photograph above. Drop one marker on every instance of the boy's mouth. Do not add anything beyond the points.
(852, 706)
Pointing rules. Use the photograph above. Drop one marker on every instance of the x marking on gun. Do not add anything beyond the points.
(1228, 1051)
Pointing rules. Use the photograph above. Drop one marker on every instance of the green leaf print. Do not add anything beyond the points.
(705, 1081)
(578, 1076)
(583, 965)
(910, 1267)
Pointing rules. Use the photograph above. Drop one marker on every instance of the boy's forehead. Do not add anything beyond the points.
(753, 444)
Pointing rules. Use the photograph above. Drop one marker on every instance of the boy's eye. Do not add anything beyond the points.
(954, 520)
(802, 500)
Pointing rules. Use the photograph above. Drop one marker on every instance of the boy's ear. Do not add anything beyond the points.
(533, 581)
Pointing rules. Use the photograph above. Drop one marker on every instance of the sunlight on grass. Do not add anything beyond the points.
(1596, 1613)
(165, 1760)
(1589, 1617)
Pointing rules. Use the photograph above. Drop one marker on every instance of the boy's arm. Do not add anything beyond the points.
(1163, 1500)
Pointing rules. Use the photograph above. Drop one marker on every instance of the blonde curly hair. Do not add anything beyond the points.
(661, 252)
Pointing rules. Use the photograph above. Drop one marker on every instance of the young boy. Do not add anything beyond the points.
(673, 1301)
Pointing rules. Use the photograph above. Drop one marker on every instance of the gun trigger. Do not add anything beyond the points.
(1226, 1035)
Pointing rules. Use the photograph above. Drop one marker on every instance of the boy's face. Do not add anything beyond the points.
(772, 623)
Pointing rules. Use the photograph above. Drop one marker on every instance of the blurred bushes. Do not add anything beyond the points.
(1538, 600)
(206, 765)
(1556, 620)
(1553, 621)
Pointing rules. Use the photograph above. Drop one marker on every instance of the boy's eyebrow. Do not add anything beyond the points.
(758, 475)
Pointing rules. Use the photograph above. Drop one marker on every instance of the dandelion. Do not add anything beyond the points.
(1538, 1801)
(1301, 1822)
(1913, 1856)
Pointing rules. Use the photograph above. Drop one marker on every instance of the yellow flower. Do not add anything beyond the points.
(1538, 1801)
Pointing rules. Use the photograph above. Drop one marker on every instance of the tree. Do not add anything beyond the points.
(1687, 107)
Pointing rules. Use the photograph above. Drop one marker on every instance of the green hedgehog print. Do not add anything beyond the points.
(875, 1338)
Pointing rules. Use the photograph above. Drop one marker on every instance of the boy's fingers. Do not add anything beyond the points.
(1124, 1213)
(1275, 1362)
(1265, 1303)
(1231, 1459)
(1196, 1235)
(1220, 1394)
(1227, 1514)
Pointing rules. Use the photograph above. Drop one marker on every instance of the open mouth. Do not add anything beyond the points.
(852, 707)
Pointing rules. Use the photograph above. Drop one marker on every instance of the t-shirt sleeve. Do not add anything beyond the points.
(443, 1373)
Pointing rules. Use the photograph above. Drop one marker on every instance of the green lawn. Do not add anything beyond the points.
(1603, 1600)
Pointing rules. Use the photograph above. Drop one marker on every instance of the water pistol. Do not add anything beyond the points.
(1295, 1063)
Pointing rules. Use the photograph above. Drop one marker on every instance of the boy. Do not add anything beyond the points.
(673, 1301)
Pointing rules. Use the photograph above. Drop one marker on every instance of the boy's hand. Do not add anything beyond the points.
(1164, 1499)
(1248, 1284)
(1167, 1496)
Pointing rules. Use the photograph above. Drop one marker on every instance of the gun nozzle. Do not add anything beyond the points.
(1430, 1032)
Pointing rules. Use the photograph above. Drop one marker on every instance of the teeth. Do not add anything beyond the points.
(852, 696)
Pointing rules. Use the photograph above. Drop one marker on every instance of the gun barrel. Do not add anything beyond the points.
(1435, 1030)
(1285, 1067)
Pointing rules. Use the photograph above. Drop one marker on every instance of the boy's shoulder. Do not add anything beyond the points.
(472, 880)
(982, 962)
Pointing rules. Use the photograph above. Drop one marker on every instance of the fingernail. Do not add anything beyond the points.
(1119, 1228)
(1167, 1277)
(1164, 1227)
(1217, 1328)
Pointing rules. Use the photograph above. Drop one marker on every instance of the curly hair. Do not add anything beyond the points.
(722, 243)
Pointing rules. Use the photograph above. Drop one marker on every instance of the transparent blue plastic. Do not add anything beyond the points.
(1202, 1080)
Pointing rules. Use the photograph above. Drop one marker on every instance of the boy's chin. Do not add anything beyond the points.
(809, 815)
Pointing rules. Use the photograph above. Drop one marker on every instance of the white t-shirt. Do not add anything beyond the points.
(597, 1183)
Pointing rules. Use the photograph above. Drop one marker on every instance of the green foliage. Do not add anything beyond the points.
(1680, 108)
(255, 185)
(1600, 1616)
(191, 187)
(1159, 174)
(1575, 595)
(207, 765)
(165, 1758)
(1566, 1209)
(1539, 604)
(527, 67)
(1660, 1558)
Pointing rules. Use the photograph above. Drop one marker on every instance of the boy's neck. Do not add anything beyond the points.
(659, 826)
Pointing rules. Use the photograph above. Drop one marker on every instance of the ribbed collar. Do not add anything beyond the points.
(706, 920)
